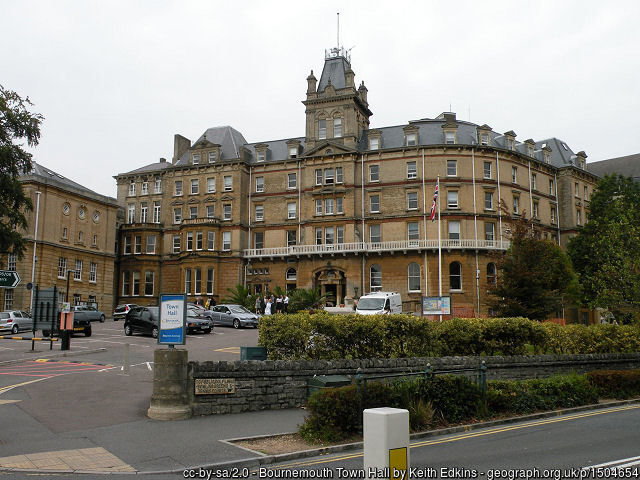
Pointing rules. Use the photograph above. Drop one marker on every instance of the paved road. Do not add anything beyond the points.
(603, 439)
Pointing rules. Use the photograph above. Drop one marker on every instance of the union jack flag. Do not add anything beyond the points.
(433, 205)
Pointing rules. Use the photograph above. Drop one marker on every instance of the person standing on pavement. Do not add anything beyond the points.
(279, 306)
(207, 303)
(258, 305)
(286, 303)
(267, 308)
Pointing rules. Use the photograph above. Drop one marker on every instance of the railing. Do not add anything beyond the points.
(360, 247)
(199, 220)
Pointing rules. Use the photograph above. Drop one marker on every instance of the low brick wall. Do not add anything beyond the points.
(272, 385)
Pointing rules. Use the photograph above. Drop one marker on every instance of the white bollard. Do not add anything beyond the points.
(126, 362)
(386, 443)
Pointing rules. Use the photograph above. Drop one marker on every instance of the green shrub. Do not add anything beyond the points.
(334, 413)
(325, 336)
(616, 383)
(526, 396)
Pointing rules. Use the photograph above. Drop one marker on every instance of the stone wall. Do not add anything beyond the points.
(271, 385)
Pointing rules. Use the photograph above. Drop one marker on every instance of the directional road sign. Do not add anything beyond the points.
(9, 279)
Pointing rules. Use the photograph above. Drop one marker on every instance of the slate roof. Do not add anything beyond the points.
(278, 149)
(229, 139)
(44, 175)
(629, 166)
(334, 71)
(152, 167)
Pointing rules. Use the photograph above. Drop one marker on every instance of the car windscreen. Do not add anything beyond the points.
(238, 309)
(367, 303)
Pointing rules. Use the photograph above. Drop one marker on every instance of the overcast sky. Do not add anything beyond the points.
(115, 80)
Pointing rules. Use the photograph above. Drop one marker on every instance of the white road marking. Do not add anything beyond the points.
(631, 461)
(148, 365)
(120, 343)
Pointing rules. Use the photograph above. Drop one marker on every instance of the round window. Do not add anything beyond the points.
(96, 216)
(66, 208)
(81, 212)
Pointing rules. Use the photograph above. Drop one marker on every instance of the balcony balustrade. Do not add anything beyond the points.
(375, 247)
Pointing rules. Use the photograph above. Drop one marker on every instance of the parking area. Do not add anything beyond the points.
(222, 344)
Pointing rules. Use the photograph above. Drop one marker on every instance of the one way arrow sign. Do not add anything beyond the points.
(9, 279)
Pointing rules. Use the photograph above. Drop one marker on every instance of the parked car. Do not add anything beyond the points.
(142, 319)
(198, 321)
(15, 321)
(235, 316)
(379, 302)
(121, 310)
(93, 314)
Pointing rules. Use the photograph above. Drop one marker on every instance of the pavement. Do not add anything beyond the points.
(63, 418)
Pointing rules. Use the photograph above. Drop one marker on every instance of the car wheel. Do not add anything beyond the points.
(154, 332)
(128, 331)
(15, 329)
(101, 318)
(236, 323)
(207, 330)
(87, 332)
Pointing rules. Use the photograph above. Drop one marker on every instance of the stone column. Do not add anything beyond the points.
(170, 398)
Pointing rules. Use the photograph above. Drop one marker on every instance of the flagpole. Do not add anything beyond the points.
(439, 246)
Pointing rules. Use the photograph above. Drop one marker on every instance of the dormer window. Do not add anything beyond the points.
(530, 150)
(411, 139)
(260, 156)
(322, 129)
(547, 156)
(374, 143)
(337, 127)
(293, 151)
(449, 137)
(213, 156)
(510, 144)
(484, 139)
(195, 158)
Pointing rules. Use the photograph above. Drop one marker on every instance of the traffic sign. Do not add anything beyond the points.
(9, 279)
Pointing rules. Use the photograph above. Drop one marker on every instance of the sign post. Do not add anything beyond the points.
(173, 316)
(436, 306)
(9, 279)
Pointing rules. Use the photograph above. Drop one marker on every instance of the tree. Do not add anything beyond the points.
(606, 251)
(240, 296)
(16, 125)
(306, 299)
(536, 278)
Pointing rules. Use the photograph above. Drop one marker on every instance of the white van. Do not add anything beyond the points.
(379, 302)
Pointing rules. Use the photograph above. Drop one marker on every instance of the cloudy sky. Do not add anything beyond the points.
(115, 80)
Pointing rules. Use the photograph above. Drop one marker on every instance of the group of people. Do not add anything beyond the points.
(207, 303)
(269, 305)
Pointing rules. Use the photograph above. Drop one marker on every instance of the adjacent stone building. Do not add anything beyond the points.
(76, 231)
(344, 207)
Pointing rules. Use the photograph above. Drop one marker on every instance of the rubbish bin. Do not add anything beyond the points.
(326, 381)
(253, 353)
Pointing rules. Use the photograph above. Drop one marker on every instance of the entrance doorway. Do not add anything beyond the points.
(332, 283)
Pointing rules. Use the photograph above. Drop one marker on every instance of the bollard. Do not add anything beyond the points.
(386, 443)
(126, 362)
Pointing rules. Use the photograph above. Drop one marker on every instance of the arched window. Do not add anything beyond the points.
(491, 274)
(413, 277)
(375, 277)
(291, 274)
(455, 276)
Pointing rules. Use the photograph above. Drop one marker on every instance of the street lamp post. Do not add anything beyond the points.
(64, 334)
(35, 244)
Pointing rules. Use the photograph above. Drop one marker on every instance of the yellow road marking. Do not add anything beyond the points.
(465, 436)
(228, 350)
(10, 387)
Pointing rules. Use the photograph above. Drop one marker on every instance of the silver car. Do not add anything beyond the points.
(235, 316)
(15, 321)
(92, 313)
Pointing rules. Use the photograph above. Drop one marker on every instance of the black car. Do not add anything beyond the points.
(198, 321)
(81, 324)
(142, 319)
(121, 310)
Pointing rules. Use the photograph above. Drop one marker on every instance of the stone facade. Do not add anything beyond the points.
(345, 208)
(76, 228)
(272, 385)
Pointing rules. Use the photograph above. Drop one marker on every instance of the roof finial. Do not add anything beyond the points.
(338, 36)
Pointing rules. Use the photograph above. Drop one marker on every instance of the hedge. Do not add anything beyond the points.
(334, 414)
(616, 383)
(326, 336)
